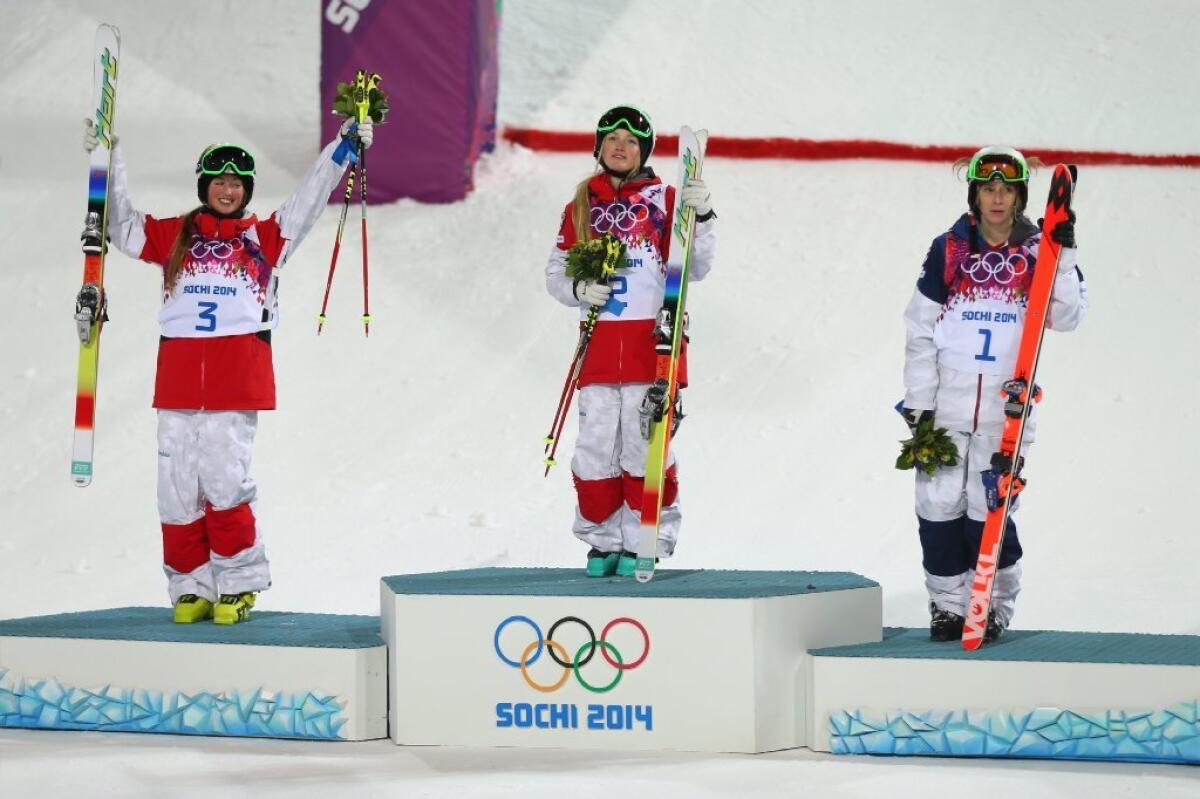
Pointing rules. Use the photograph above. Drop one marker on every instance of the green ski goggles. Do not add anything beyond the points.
(221, 158)
(626, 117)
(994, 166)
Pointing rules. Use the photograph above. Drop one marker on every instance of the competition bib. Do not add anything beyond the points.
(221, 290)
(979, 336)
(639, 222)
(980, 327)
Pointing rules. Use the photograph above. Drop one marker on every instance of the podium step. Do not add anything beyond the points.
(1032, 694)
(279, 675)
(695, 660)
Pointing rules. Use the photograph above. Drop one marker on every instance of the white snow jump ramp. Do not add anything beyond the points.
(277, 675)
(696, 660)
(1032, 694)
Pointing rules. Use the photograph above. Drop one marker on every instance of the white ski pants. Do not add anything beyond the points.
(608, 466)
(212, 543)
(951, 509)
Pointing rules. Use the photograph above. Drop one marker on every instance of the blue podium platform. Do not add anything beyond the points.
(1032, 694)
(290, 675)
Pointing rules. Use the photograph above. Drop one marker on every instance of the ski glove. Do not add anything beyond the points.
(90, 140)
(363, 131)
(913, 417)
(593, 292)
(696, 195)
(1064, 232)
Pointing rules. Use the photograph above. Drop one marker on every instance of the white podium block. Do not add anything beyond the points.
(278, 675)
(702, 661)
(1068, 695)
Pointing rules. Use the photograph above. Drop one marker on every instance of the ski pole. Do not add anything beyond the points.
(337, 245)
(362, 102)
(613, 251)
(564, 399)
(360, 79)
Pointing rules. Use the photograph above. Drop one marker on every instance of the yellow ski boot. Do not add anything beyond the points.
(191, 608)
(232, 608)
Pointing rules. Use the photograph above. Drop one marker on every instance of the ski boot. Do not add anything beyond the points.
(627, 566)
(944, 625)
(232, 608)
(602, 564)
(994, 628)
(191, 608)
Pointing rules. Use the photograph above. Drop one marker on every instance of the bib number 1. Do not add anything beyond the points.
(986, 354)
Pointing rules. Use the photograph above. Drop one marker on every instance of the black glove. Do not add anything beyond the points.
(912, 417)
(1064, 232)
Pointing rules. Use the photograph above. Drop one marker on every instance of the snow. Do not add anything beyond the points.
(420, 448)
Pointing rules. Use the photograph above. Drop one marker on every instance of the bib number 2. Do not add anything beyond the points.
(208, 317)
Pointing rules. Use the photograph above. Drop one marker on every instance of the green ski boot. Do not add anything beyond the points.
(233, 608)
(191, 609)
(602, 564)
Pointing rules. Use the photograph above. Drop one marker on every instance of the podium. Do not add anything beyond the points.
(1031, 694)
(279, 675)
(709, 661)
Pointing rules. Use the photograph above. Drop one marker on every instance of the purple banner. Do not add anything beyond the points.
(438, 62)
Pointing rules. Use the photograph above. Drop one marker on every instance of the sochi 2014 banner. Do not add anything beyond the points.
(439, 67)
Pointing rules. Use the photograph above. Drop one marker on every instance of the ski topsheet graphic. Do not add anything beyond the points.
(660, 404)
(1004, 479)
(90, 304)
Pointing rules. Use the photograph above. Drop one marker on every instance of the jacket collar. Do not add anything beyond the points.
(602, 187)
(213, 226)
(1022, 230)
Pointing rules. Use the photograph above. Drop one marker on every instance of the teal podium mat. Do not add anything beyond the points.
(1046, 646)
(667, 583)
(264, 628)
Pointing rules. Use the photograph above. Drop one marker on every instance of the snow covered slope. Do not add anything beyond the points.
(419, 449)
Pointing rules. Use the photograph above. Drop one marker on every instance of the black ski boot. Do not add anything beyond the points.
(994, 628)
(944, 625)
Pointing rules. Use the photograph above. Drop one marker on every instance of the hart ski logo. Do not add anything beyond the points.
(104, 112)
(566, 715)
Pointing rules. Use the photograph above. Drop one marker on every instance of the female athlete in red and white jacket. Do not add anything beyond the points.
(623, 197)
(219, 267)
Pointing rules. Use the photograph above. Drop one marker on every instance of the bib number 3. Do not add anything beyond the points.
(208, 317)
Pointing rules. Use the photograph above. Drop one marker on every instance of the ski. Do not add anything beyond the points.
(91, 305)
(659, 407)
(1003, 481)
(613, 251)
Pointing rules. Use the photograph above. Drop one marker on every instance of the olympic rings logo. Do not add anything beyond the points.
(220, 249)
(559, 654)
(997, 266)
(605, 218)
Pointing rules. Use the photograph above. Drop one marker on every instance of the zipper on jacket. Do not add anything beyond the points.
(203, 359)
(978, 401)
(974, 429)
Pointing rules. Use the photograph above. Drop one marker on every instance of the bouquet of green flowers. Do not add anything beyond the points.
(586, 260)
(929, 448)
(345, 103)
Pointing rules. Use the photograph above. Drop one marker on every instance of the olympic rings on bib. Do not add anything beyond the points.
(221, 249)
(996, 266)
(533, 650)
(619, 216)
